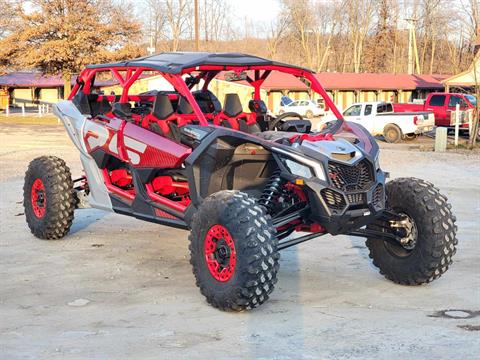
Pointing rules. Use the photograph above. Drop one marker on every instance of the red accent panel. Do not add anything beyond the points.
(163, 200)
(120, 177)
(308, 137)
(128, 195)
(313, 228)
(164, 214)
(159, 152)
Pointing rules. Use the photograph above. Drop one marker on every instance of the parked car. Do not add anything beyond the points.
(306, 108)
(379, 119)
(441, 105)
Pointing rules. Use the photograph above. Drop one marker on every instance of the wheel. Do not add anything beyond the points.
(392, 133)
(410, 137)
(48, 197)
(233, 251)
(430, 241)
(309, 114)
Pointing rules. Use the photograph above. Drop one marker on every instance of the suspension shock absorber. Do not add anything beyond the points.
(271, 190)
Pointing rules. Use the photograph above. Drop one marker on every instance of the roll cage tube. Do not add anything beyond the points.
(207, 72)
(299, 73)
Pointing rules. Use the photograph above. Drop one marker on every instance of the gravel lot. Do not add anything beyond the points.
(119, 288)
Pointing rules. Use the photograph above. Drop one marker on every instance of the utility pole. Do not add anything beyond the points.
(412, 47)
(151, 48)
(197, 35)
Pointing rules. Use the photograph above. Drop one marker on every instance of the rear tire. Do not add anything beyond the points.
(410, 137)
(392, 133)
(244, 273)
(435, 244)
(48, 197)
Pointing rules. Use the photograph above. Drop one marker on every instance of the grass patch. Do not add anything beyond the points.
(29, 119)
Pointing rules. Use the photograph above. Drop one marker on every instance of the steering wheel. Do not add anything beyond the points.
(273, 124)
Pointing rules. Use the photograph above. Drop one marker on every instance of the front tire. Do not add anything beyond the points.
(48, 198)
(430, 252)
(233, 251)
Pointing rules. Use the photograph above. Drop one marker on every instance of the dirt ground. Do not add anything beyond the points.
(120, 288)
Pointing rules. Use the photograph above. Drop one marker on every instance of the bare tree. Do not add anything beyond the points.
(276, 33)
(359, 15)
(178, 15)
(8, 16)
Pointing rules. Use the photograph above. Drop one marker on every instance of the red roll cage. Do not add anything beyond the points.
(204, 72)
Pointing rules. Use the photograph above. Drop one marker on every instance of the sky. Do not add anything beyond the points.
(261, 11)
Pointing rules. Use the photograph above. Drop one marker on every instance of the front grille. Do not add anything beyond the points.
(378, 198)
(350, 178)
(334, 200)
(356, 199)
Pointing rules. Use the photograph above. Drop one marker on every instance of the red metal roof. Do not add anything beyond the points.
(353, 81)
(30, 79)
(369, 81)
(36, 79)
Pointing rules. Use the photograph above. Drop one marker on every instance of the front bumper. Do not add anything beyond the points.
(341, 211)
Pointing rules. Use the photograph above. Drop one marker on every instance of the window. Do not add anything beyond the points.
(472, 99)
(304, 103)
(354, 110)
(388, 107)
(437, 100)
(454, 100)
(368, 109)
(295, 103)
(381, 108)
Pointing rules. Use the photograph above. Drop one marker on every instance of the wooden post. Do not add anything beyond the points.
(197, 30)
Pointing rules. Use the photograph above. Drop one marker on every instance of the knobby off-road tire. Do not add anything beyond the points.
(48, 198)
(432, 254)
(235, 218)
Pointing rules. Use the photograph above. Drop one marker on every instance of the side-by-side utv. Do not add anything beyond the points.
(244, 183)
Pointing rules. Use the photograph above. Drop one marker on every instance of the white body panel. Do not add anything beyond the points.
(74, 123)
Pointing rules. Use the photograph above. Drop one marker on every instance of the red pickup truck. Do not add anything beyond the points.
(441, 104)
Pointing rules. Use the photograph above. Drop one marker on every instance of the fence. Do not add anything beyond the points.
(40, 107)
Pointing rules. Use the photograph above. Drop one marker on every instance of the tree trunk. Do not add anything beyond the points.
(67, 85)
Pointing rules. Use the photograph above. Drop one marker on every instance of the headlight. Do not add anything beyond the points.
(301, 166)
(298, 169)
(377, 161)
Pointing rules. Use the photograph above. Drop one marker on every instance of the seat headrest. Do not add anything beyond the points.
(162, 107)
(232, 106)
(257, 106)
(184, 106)
(207, 101)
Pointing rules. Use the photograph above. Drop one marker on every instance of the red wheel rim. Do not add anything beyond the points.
(39, 198)
(220, 253)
